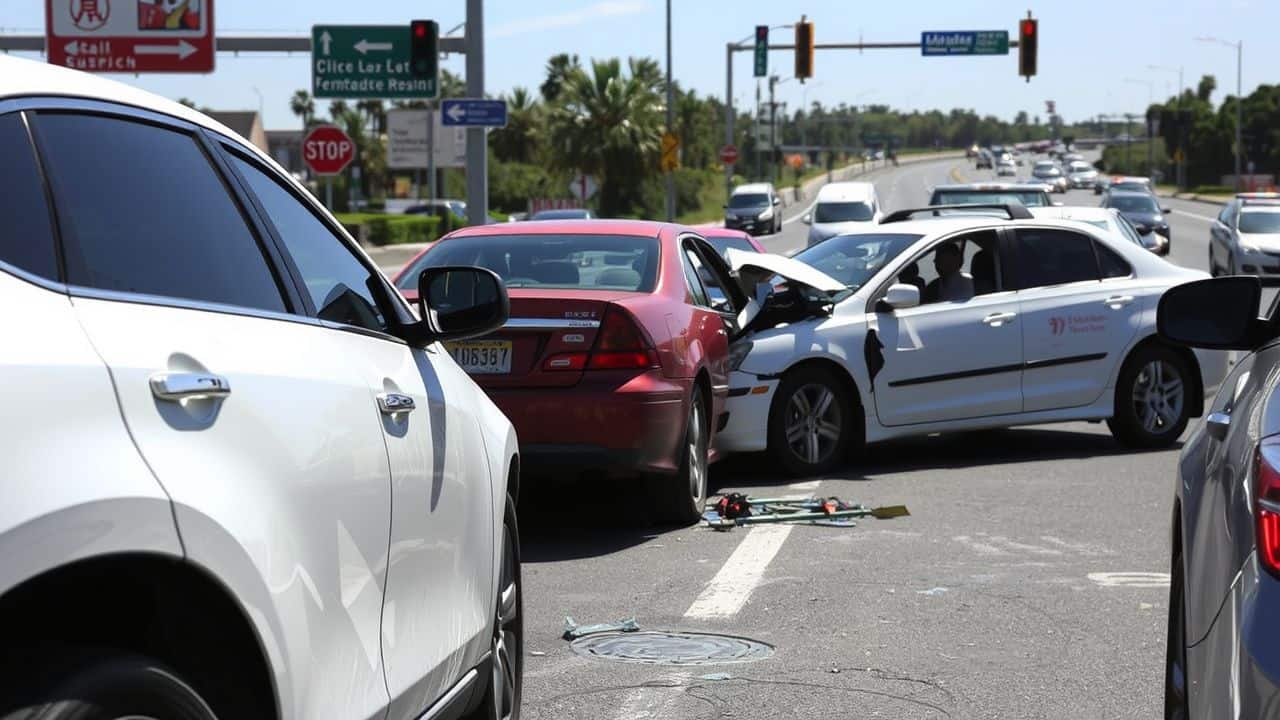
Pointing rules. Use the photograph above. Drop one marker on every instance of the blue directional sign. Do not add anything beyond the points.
(965, 42)
(473, 112)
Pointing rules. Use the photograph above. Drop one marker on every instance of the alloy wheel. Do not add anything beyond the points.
(697, 448)
(507, 638)
(813, 423)
(1158, 395)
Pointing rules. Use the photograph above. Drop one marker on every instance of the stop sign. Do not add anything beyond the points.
(327, 150)
(729, 154)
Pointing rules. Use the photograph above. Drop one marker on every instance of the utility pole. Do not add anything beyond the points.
(477, 140)
(671, 178)
(773, 130)
(756, 139)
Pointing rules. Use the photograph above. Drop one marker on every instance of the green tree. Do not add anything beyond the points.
(1204, 90)
(518, 141)
(608, 123)
(559, 67)
(302, 105)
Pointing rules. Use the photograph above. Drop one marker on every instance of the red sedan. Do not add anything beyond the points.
(616, 355)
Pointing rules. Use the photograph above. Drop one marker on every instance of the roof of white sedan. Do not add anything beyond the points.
(753, 188)
(20, 77)
(846, 192)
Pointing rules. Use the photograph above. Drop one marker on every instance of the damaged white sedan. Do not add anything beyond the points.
(957, 322)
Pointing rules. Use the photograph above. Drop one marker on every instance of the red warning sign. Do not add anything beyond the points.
(130, 36)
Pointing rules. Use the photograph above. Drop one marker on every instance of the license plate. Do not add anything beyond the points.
(482, 357)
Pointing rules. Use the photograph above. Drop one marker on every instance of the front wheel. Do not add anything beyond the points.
(811, 422)
(106, 688)
(506, 652)
(679, 498)
(1151, 403)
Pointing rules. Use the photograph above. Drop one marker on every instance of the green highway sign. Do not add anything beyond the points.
(367, 61)
(965, 42)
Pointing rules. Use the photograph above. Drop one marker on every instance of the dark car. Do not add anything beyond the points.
(1140, 208)
(755, 208)
(1224, 592)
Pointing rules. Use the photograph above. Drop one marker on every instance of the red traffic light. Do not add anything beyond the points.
(420, 30)
(1028, 28)
(762, 33)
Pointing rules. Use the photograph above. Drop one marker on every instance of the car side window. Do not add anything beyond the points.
(142, 210)
(1110, 262)
(956, 269)
(1225, 216)
(691, 275)
(340, 286)
(26, 235)
(1049, 256)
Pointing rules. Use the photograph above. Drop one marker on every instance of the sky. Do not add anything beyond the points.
(1095, 55)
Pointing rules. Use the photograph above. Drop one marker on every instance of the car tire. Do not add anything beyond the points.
(679, 499)
(501, 700)
(1152, 406)
(1175, 658)
(807, 399)
(84, 685)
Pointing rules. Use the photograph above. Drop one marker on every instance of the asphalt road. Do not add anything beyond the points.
(1009, 591)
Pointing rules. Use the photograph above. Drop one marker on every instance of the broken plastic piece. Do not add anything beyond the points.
(573, 631)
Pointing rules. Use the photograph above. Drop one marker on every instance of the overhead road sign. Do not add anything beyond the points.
(367, 61)
(133, 36)
(474, 112)
(964, 42)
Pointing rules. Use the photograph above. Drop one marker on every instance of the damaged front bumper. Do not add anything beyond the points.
(750, 397)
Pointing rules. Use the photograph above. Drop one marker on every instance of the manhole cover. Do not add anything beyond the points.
(671, 648)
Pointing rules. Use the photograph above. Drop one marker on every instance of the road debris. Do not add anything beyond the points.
(573, 631)
(734, 509)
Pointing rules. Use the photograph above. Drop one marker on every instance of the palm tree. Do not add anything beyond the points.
(609, 124)
(303, 106)
(559, 67)
(517, 142)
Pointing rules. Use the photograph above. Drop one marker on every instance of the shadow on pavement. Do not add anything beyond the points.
(574, 519)
(944, 451)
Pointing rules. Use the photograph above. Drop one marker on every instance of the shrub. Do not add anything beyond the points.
(400, 229)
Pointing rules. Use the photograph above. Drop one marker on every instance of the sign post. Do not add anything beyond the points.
(139, 36)
(964, 42)
(366, 61)
(327, 151)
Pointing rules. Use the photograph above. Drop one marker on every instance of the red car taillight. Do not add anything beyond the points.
(620, 345)
(1267, 504)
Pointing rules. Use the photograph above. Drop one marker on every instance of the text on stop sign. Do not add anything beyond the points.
(332, 150)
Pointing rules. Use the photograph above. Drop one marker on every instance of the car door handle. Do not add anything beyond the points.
(183, 386)
(1217, 424)
(998, 319)
(1115, 302)
(392, 403)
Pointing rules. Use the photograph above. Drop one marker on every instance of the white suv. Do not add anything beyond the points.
(240, 478)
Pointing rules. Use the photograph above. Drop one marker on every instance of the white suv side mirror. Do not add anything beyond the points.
(807, 219)
(902, 296)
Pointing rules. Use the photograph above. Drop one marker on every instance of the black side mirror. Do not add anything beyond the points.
(1165, 210)
(1218, 313)
(461, 302)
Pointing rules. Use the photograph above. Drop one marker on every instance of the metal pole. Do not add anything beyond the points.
(477, 150)
(1182, 136)
(1239, 113)
(671, 178)
(756, 138)
(431, 151)
(728, 117)
(328, 193)
(773, 131)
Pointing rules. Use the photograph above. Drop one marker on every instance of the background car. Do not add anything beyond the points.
(842, 207)
(1245, 237)
(985, 160)
(1224, 574)
(564, 214)
(755, 208)
(1110, 220)
(452, 212)
(1026, 194)
(615, 359)
(962, 322)
(723, 238)
(1049, 173)
(1140, 208)
(1081, 174)
(1130, 183)
(1006, 168)
(232, 453)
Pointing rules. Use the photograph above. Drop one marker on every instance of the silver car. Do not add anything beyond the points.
(1245, 237)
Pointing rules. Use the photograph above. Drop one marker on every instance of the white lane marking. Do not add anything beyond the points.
(1201, 218)
(797, 216)
(1081, 548)
(807, 485)
(729, 590)
(1000, 539)
(980, 547)
(1131, 579)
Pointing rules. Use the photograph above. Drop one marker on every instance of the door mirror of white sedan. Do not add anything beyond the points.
(902, 296)
(461, 302)
(807, 219)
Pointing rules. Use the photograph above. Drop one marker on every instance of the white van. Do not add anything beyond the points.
(842, 207)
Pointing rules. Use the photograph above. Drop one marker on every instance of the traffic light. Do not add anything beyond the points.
(762, 51)
(1028, 36)
(804, 50)
(423, 55)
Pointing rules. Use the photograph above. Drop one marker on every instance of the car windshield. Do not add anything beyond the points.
(1129, 231)
(1134, 203)
(853, 259)
(834, 212)
(1048, 171)
(723, 244)
(1028, 198)
(1259, 222)
(748, 200)
(1131, 185)
(569, 262)
(1081, 167)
